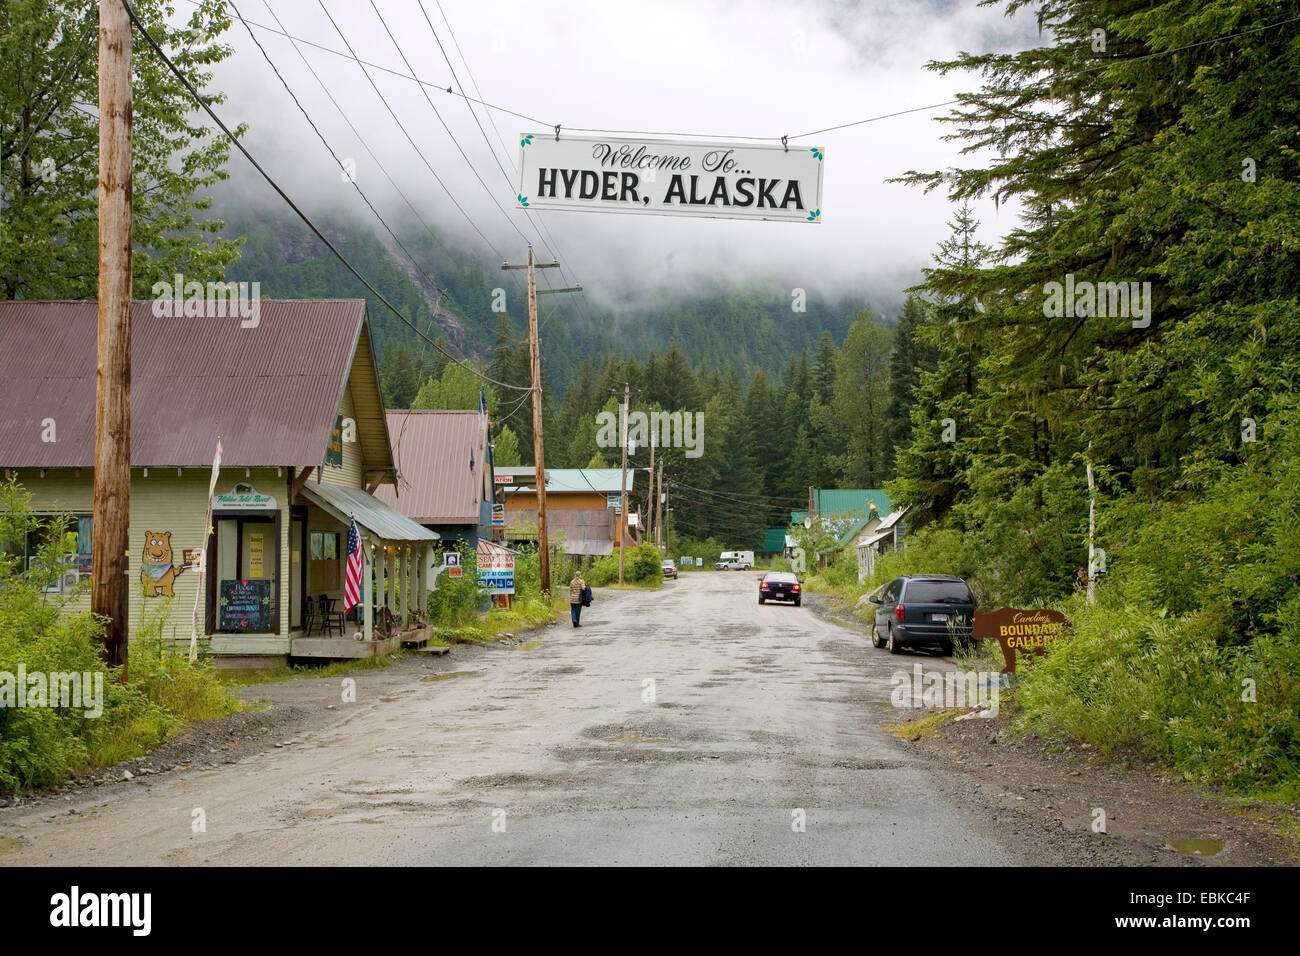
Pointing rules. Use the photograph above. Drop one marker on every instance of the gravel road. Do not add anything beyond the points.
(682, 726)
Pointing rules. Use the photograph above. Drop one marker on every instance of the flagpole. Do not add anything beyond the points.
(203, 554)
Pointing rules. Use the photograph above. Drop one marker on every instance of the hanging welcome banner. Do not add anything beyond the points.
(669, 178)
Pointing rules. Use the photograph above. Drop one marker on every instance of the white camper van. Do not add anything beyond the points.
(735, 561)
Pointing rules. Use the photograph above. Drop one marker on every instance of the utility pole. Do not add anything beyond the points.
(111, 517)
(659, 496)
(1092, 526)
(649, 512)
(622, 518)
(539, 451)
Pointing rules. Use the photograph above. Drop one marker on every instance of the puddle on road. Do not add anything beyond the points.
(78, 819)
(532, 645)
(447, 676)
(635, 737)
(1198, 847)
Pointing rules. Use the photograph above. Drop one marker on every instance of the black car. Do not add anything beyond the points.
(923, 609)
(780, 586)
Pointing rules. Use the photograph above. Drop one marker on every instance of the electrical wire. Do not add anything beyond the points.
(427, 99)
(175, 70)
(384, 69)
(741, 497)
(544, 234)
(409, 139)
(321, 136)
(652, 133)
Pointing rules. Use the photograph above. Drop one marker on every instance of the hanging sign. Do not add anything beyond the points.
(243, 498)
(334, 450)
(670, 178)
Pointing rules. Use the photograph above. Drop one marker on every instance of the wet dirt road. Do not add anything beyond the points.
(683, 726)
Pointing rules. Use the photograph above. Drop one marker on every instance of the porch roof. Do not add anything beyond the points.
(385, 523)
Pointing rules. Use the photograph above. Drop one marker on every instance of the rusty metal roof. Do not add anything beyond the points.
(432, 451)
(271, 391)
(379, 519)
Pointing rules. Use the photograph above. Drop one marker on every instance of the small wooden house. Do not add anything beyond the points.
(294, 402)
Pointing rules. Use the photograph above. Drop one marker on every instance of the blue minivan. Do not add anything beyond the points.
(923, 609)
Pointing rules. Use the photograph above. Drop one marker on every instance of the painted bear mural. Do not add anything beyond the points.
(1030, 632)
(158, 570)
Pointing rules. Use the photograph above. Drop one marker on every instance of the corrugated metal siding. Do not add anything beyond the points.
(432, 451)
(270, 392)
(370, 513)
(167, 502)
(603, 480)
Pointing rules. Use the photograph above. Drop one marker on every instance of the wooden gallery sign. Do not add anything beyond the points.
(1027, 631)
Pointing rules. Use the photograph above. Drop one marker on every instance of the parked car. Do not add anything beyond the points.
(923, 609)
(670, 568)
(779, 586)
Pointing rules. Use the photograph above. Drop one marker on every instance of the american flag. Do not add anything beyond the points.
(352, 586)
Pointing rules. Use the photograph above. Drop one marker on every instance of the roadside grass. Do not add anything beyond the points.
(530, 611)
(1190, 653)
(923, 727)
(283, 672)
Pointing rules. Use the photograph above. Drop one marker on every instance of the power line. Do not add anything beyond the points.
(402, 127)
(427, 99)
(384, 69)
(337, 160)
(153, 44)
(551, 247)
(741, 497)
(457, 81)
(587, 129)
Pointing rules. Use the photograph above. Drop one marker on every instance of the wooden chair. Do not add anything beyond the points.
(308, 616)
(331, 620)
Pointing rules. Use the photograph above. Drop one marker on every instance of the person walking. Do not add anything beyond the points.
(577, 592)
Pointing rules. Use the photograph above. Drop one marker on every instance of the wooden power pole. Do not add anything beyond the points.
(649, 511)
(110, 528)
(621, 523)
(659, 497)
(539, 449)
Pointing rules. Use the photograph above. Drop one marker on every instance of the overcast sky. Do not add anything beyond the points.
(742, 68)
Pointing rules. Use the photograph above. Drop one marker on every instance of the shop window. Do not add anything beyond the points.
(75, 563)
(323, 570)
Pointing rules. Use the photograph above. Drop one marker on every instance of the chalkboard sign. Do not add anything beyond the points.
(245, 606)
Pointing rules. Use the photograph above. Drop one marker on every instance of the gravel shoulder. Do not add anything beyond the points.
(279, 714)
(1043, 796)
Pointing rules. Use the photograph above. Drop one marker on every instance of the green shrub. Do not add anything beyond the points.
(603, 571)
(43, 746)
(641, 565)
(456, 601)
